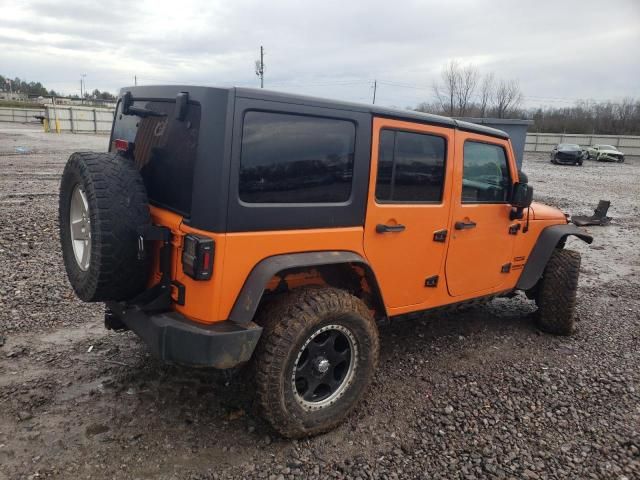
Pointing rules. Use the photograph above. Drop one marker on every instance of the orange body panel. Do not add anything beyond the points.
(475, 256)
(245, 250)
(467, 263)
(403, 261)
(202, 299)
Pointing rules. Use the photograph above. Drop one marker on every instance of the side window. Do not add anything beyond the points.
(410, 167)
(485, 177)
(296, 159)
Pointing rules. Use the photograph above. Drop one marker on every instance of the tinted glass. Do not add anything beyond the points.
(296, 159)
(410, 167)
(485, 176)
(164, 151)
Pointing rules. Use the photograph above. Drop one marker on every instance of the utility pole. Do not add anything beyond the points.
(260, 67)
(375, 87)
(135, 80)
(83, 87)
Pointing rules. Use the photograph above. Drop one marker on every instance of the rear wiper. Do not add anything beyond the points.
(129, 109)
(143, 112)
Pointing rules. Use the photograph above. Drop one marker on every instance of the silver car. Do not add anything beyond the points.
(605, 153)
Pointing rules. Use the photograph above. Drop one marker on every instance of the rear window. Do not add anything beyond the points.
(164, 151)
(289, 158)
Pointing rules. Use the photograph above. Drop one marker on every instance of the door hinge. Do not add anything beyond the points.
(506, 268)
(440, 236)
(431, 281)
(513, 229)
(179, 291)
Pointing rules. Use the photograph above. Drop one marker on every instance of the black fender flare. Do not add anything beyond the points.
(246, 304)
(542, 250)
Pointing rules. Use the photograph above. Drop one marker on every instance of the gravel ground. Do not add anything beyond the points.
(476, 394)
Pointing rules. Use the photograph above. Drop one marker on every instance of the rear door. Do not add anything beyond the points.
(481, 247)
(408, 209)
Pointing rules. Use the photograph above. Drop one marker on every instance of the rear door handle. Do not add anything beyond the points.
(381, 228)
(465, 225)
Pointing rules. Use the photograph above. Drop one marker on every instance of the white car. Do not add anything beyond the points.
(605, 153)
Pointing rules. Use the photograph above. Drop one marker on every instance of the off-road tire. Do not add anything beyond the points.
(556, 293)
(288, 322)
(118, 206)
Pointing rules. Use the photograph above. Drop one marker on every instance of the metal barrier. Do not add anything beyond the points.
(78, 119)
(544, 142)
(20, 115)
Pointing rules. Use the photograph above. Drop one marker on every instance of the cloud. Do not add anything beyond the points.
(558, 51)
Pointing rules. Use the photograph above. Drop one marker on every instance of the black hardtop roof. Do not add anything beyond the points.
(396, 113)
(271, 95)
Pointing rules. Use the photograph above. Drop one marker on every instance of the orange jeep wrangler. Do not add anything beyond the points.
(230, 225)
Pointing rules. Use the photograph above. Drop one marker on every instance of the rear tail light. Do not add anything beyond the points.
(122, 145)
(197, 256)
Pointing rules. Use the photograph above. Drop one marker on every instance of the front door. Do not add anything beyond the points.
(480, 247)
(408, 210)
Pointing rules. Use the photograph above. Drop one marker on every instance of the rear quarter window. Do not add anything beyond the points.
(295, 159)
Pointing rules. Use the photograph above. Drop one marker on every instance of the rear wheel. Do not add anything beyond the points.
(103, 202)
(316, 358)
(555, 293)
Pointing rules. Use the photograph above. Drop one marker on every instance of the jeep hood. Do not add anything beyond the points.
(540, 211)
(615, 152)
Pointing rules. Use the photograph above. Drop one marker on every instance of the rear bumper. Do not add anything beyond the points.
(175, 339)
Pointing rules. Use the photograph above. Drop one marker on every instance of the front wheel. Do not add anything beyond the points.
(316, 358)
(556, 293)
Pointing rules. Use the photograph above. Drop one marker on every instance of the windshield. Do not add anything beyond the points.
(606, 147)
(569, 145)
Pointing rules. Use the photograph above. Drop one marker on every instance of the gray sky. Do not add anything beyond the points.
(559, 51)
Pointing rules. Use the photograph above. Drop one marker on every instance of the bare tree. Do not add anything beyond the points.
(486, 93)
(624, 112)
(507, 97)
(606, 118)
(467, 79)
(447, 93)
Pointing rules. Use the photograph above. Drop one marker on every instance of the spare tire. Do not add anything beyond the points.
(103, 203)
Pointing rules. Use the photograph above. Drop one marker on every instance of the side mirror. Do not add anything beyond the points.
(522, 195)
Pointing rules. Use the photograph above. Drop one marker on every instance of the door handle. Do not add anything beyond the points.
(465, 225)
(381, 228)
